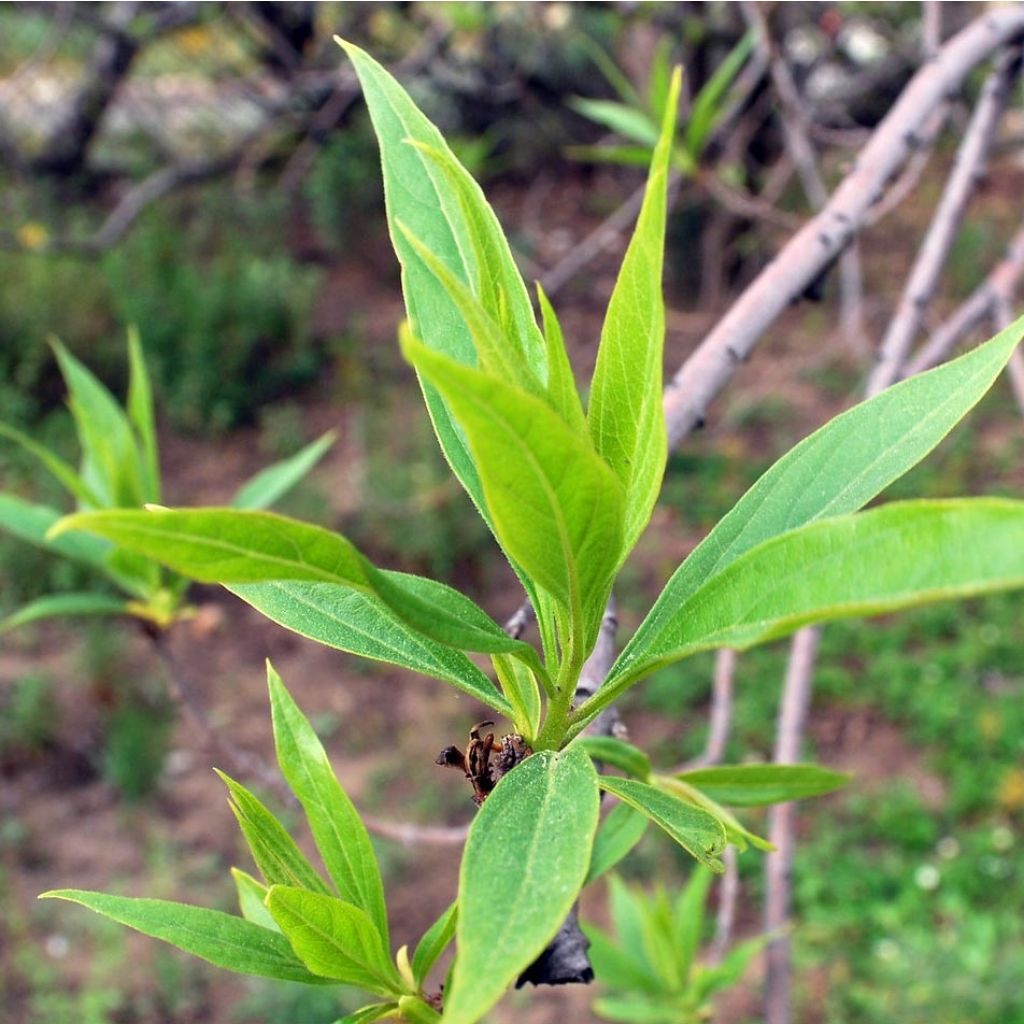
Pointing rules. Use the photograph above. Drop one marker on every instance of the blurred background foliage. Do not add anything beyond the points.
(224, 196)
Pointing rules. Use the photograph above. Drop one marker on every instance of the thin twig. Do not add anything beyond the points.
(998, 288)
(417, 835)
(931, 258)
(818, 243)
(796, 695)
(520, 620)
(931, 28)
(728, 898)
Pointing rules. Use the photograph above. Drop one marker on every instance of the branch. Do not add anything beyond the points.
(820, 241)
(796, 696)
(999, 288)
(924, 277)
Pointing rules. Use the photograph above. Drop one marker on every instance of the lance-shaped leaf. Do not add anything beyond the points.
(893, 557)
(556, 506)
(755, 785)
(339, 832)
(60, 605)
(368, 1014)
(275, 481)
(112, 463)
(350, 621)
(520, 686)
(625, 414)
(252, 897)
(418, 193)
(836, 470)
(277, 855)
(735, 831)
(222, 939)
(434, 942)
(563, 394)
(54, 465)
(334, 939)
(140, 412)
(524, 863)
(696, 831)
(620, 831)
(233, 546)
(624, 756)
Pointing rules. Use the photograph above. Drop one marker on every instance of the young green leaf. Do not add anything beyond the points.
(222, 939)
(556, 506)
(417, 1011)
(618, 117)
(626, 419)
(434, 942)
(360, 624)
(615, 965)
(231, 546)
(755, 785)
(524, 863)
(836, 470)
(140, 412)
(275, 481)
(59, 605)
(418, 193)
(563, 395)
(340, 835)
(892, 557)
(696, 831)
(112, 465)
(277, 856)
(635, 1009)
(707, 106)
(620, 831)
(334, 939)
(252, 896)
(735, 831)
(520, 686)
(55, 465)
(624, 756)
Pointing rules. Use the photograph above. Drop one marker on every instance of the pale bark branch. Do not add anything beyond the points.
(820, 241)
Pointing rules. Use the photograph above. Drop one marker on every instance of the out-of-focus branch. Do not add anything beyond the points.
(796, 696)
(417, 835)
(997, 290)
(931, 28)
(1002, 317)
(520, 620)
(924, 276)
(796, 131)
(819, 242)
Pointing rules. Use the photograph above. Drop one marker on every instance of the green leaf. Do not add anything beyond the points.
(732, 968)
(111, 459)
(625, 156)
(836, 470)
(563, 395)
(222, 939)
(354, 622)
(55, 465)
(232, 546)
(620, 831)
(140, 412)
(696, 831)
(434, 942)
(688, 919)
(524, 863)
(618, 117)
(340, 835)
(613, 965)
(277, 856)
(631, 1009)
(556, 506)
(275, 481)
(417, 1011)
(368, 1014)
(735, 831)
(624, 756)
(334, 939)
(893, 557)
(627, 422)
(755, 785)
(58, 605)
(419, 194)
(520, 686)
(252, 896)
(707, 107)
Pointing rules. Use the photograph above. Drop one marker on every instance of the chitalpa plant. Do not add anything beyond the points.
(566, 491)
